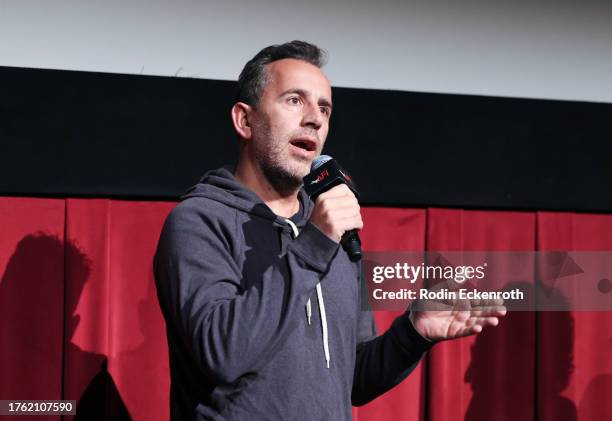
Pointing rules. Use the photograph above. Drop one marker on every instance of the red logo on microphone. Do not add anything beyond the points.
(320, 177)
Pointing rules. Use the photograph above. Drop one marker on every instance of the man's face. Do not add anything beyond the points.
(290, 123)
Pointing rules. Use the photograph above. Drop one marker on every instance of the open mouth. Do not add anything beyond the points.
(306, 144)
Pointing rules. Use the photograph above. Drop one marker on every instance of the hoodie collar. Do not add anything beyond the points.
(221, 185)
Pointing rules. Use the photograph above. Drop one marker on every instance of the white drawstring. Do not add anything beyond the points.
(323, 323)
(308, 311)
(296, 232)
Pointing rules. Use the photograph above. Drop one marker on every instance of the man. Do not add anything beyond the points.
(261, 304)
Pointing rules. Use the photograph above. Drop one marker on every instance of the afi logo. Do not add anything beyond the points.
(320, 177)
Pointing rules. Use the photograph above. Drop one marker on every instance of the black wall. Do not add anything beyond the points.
(65, 133)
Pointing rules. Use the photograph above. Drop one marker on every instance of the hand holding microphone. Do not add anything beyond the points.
(336, 212)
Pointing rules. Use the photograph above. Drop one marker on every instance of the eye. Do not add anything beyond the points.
(326, 111)
(294, 100)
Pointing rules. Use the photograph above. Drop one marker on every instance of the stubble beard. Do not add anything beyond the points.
(284, 175)
(276, 163)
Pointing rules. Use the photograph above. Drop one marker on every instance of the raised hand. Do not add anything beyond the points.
(451, 318)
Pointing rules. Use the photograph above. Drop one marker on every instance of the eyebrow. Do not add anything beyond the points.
(322, 101)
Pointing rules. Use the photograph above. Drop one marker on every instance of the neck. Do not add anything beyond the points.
(282, 204)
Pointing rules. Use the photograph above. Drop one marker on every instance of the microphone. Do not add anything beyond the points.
(326, 173)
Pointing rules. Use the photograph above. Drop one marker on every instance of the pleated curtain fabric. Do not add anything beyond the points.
(79, 317)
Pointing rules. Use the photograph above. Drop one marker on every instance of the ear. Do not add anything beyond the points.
(240, 118)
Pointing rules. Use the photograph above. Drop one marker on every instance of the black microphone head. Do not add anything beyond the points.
(326, 173)
(320, 160)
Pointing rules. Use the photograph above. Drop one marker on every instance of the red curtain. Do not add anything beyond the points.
(79, 318)
(575, 349)
(489, 376)
(31, 298)
(393, 230)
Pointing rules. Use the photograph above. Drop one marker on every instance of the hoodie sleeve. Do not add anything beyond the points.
(231, 331)
(383, 362)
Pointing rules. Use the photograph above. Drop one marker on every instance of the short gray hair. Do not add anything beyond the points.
(254, 77)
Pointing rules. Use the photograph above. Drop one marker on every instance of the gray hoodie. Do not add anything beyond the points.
(263, 314)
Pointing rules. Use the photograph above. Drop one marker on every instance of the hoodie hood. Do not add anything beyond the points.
(221, 185)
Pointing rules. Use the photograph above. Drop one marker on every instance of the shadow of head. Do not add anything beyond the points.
(35, 280)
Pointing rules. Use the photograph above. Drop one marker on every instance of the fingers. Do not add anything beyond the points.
(344, 205)
(337, 191)
(498, 311)
(489, 307)
(337, 211)
(482, 321)
(473, 330)
(487, 303)
(476, 325)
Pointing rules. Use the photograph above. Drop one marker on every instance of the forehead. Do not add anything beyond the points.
(289, 74)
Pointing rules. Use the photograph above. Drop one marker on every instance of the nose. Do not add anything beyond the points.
(313, 117)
